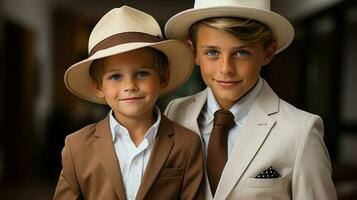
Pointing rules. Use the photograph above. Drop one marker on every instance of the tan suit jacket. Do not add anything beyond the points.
(91, 168)
(274, 134)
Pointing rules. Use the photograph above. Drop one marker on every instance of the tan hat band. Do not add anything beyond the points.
(123, 38)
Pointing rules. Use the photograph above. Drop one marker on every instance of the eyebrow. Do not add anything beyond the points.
(209, 47)
(110, 71)
(236, 47)
(115, 70)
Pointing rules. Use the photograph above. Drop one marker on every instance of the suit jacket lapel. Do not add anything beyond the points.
(105, 151)
(162, 148)
(194, 108)
(252, 135)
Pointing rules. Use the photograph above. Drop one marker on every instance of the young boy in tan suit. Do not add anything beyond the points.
(270, 150)
(135, 152)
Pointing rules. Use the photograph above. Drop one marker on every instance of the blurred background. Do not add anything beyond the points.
(40, 39)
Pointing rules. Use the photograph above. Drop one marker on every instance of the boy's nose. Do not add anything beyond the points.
(226, 66)
(130, 85)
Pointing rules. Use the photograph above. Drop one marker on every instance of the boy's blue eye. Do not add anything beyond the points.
(142, 74)
(242, 53)
(212, 53)
(116, 77)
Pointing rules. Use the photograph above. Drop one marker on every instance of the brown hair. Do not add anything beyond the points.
(160, 62)
(245, 29)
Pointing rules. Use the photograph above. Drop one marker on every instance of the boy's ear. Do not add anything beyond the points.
(97, 90)
(190, 44)
(270, 52)
(164, 82)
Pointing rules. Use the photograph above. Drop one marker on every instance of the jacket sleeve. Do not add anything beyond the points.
(67, 187)
(312, 171)
(193, 181)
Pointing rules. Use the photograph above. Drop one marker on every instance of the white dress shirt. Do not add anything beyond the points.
(133, 159)
(239, 110)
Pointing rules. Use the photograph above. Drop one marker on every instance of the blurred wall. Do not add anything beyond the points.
(298, 9)
(34, 15)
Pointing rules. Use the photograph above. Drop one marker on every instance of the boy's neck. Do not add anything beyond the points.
(137, 127)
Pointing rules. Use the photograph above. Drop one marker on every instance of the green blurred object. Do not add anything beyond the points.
(193, 85)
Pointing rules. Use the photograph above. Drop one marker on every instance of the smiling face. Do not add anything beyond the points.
(229, 66)
(131, 84)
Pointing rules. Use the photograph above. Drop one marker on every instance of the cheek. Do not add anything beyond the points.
(207, 67)
(152, 85)
(206, 72)
(250, 70)
(110, 91)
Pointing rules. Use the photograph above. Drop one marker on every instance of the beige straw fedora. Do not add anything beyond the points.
(121, 30)
(178, 26)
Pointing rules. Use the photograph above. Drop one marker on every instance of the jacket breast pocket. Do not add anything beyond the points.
(171, 172)
(267, 182)
(266, 189)
(167, 184)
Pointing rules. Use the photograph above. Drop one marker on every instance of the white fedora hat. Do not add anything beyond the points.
(121, 30)
(178, 26)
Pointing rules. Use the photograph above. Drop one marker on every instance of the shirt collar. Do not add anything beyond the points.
(118, 129)
(240, 109)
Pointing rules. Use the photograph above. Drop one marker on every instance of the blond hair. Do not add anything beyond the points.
(245, 29)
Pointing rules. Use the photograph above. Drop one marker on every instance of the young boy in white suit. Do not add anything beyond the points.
(272, 150)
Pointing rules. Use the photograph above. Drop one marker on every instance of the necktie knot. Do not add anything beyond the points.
(224, 118)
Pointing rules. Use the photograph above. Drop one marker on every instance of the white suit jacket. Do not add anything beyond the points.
(274, 134)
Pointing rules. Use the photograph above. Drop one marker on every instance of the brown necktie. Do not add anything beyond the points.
(217, 146)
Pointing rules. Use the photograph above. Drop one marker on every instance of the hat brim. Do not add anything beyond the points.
(180, 58)
(178, 26)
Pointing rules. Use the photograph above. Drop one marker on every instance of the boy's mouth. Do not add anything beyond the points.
(227, 83)
(131, 99)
